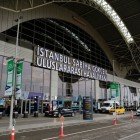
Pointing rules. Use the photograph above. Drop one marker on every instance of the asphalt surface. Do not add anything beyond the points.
(129, 131)
(104, 130)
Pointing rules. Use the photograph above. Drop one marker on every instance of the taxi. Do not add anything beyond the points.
(119, 110)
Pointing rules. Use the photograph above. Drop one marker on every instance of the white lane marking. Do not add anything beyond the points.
(79, 132)
(129, 136)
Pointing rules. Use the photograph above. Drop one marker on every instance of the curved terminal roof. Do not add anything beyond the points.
(122, 36)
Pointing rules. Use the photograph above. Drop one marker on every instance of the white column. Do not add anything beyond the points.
(138, 96)
(29, 107)
(21, 106)
(53, 85)
(121, 94)
(96, 89)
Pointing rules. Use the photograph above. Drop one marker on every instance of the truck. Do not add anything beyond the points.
(107, 105)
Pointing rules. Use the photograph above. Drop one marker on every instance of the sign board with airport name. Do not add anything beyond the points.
(48, 59)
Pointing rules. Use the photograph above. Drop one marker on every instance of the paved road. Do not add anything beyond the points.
(129, 131)
(104, 130)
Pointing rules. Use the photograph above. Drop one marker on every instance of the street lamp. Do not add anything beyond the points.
(91, 100)
(14, 76)
(114, 83)
(113, 70)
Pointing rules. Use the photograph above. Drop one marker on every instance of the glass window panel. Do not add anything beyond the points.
(47, 81)
(88, 87)
(75, 89)
(63, 88)
(59, 87)
(26, 78)
(1, 67)
(37, 79)
(4, 75)
(82, 87)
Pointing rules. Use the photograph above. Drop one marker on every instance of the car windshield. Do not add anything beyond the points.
(106, 104)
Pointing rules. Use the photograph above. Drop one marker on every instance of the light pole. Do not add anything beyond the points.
(91, 100)
(114, 83)
(14, 75)
(113, 71)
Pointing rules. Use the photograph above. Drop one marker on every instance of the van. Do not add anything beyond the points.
(107, 105)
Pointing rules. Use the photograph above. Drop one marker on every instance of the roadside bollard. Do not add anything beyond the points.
(12, 137)
(36, 114)
(132, 116)
(114, 121)
(0, 115)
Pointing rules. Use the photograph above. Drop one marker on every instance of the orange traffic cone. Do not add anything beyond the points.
(12, 134)
(61, 131)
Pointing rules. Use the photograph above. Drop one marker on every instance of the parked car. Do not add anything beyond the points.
(60, 112)
(138, 111)
(119, 110)
(129, 108)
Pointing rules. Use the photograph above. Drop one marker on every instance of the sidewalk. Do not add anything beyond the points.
(32, 123)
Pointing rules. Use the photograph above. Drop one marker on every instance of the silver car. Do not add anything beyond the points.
(138, 111)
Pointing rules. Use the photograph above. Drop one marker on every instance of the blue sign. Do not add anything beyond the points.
(32, 95)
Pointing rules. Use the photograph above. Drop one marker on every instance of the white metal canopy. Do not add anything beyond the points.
(101, 5)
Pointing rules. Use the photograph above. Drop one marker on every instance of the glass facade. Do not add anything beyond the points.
(62, 37)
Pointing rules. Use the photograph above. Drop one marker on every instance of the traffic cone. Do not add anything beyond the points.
(12, 134)
(61, 135)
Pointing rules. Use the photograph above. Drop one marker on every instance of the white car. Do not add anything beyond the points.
(107, 105)
(138, 111)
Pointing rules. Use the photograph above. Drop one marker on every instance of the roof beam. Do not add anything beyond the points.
(31, 3)
(135, 53)
(16, 5)
(100, 5)
(110, 13)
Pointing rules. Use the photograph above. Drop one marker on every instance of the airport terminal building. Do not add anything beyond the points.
(70, 49)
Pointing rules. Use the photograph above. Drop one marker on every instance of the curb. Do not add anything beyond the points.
(7, 132)
(57, 125)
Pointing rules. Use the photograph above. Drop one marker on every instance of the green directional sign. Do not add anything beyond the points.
(114, 85)
(115, 89)
(10, 76)
(19, 71)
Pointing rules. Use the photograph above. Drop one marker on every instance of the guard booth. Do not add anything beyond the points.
(31, 102)
(36, 102)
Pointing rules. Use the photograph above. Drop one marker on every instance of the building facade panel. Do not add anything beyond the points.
(61, 37)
